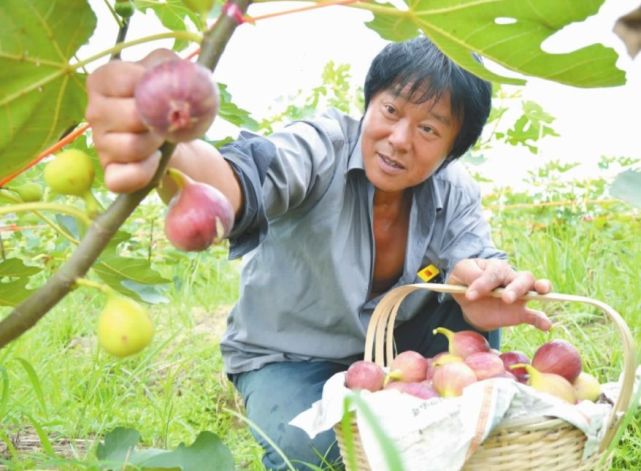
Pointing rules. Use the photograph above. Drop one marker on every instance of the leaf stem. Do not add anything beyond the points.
(94, 284)
(40, 206)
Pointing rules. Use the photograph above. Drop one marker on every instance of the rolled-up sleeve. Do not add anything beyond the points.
(285, 171)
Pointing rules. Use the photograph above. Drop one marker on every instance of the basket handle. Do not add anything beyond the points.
(380, 336)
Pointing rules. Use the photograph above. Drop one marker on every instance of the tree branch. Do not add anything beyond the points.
(31, 310)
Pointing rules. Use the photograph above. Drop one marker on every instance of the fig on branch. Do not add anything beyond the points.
(70, 173)
(464, 342)
(559, 357)
(198, 215)
(124, 8)
(28, 192)
(124, 327)
(177, 99)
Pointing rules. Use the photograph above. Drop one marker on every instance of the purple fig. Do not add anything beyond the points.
(464, 342)
(559, 357)
(198, 215)
(177, 99)
(364, 374)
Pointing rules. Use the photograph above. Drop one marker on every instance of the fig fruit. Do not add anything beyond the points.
(420, 389)
(198, 215)
(124, 8)
(549, 383)
(445, 357)
(28, 192)
(513, 357)
(559, 357)
(364, 374)
(177, 99)
(450, 379)
(586, 387)
(408, 366)
(485, 364)
(70, 173)
(124, 327)
(464, 342)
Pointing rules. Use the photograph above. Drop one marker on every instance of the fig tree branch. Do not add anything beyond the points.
(26, 314)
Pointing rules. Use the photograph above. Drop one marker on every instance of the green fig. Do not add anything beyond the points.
(70, 173)
(550, 383)
(124, 8)
(29, 192)
(124, 327)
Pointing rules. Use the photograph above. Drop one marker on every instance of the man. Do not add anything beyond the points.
(332, 213)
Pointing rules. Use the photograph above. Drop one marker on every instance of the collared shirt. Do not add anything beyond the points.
(306, 234)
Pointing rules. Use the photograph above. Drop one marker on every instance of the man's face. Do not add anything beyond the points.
(403, 142)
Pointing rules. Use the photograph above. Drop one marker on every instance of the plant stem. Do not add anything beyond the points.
(40, 206)
(28, 312)
(94, 284)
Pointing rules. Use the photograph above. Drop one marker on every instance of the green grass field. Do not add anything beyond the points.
(60, 394)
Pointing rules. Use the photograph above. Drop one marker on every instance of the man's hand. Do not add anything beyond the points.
(128, 151)
(485, 312)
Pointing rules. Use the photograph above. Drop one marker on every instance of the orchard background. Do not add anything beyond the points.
(65, 403)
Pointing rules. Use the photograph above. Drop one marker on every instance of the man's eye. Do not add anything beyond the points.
(389, 109)
(427, 129)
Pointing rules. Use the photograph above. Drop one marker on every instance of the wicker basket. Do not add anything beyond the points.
(536, 444)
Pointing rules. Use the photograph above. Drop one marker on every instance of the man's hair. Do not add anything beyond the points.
(421, 66)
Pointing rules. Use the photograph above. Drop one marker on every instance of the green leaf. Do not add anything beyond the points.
(171, 14)
(232, 113)
(394, 27)
(627, 187)
(133, 277)
(118, 445)
(40, 95)
(16, 268)
(118, 449)
(510, 33)
(13, 292)
(206, 449)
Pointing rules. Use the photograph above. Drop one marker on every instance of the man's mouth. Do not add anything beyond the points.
(390, 162)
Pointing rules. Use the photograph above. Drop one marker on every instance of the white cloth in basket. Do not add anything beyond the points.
(438, 434)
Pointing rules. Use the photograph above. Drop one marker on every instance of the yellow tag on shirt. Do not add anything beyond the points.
(428, 272)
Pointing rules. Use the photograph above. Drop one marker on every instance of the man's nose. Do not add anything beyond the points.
(401, 135)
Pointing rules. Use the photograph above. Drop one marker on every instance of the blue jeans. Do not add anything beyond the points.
(278, 392)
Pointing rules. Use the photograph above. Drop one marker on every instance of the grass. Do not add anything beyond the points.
(59, 394)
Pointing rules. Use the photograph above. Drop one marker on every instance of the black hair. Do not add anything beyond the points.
(421, 66)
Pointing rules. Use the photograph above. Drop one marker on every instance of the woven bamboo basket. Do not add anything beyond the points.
(535, 444)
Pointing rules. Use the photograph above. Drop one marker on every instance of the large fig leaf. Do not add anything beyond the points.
(40, 95)
(509, 33)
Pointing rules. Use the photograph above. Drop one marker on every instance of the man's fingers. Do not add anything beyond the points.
(126, 178)
(158, 56)
(115, 79)
(122, 148)
(538, 319)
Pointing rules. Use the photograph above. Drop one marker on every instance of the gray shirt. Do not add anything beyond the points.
(307, 240)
